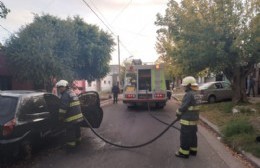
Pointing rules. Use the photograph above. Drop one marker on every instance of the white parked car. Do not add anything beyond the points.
(215, 91)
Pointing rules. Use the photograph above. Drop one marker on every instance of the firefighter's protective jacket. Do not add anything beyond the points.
(188, 111)
(70, 110)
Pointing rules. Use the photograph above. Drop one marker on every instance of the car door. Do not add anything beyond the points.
(53, 105)
(33, 114)
(220, 92)
(91, 110)
(227, 90)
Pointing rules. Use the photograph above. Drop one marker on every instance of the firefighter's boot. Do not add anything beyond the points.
(180, 155)
(193, 153)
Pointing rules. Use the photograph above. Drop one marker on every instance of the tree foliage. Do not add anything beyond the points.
(94, 50)
(213, 35)
(3, 10)
(50, 47)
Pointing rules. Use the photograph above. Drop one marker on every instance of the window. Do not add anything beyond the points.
(32, 105)
(218, 85)
(226, 85)
(52, 103)
(8, 106)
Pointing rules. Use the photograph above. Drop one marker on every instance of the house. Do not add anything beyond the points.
(104, 85)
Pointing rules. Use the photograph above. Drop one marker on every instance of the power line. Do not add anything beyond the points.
(98, 17)
(127, 5)
(106, 25)
(6, 29)
(100, 13)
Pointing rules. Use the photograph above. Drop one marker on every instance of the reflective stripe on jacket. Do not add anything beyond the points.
(70, 110)
(185, 122)
(188, 109)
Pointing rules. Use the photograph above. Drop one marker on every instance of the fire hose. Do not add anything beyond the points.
(131, 146)
(161, 120)
(143, 144)
(139, 145)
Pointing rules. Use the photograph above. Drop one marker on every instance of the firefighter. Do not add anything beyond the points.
(188, 114)
(70, 114)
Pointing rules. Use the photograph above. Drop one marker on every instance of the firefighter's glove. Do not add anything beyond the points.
(178, 114)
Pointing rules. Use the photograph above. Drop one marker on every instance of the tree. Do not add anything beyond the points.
(41, 50)
(94, 51)
(53, 48)
(212, 35)
(126, 63)
(3, 10)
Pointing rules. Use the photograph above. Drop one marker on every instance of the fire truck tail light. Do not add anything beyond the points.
(130, 96)
(159, 95)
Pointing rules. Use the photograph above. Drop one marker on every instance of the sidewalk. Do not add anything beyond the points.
(254, 100)
(249, 157)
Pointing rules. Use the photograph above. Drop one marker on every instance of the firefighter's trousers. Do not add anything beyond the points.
(188, 139)
(73, 135)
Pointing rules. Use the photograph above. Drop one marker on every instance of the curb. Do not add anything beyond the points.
(105, 102)
(248, 156)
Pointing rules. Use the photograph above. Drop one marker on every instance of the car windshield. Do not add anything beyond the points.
(8, 106)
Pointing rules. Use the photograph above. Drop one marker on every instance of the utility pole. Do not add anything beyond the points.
(118, 60)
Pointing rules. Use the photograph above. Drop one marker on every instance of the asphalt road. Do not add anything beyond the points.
(134, 126)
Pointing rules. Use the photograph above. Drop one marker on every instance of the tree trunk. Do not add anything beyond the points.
(239, 86)
(98, 81)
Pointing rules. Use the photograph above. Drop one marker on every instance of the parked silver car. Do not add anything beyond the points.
(215, 91)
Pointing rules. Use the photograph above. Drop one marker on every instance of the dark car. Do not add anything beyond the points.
(27, 117)
(215, 91)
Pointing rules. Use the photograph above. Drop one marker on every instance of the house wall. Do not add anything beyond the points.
(105, 84)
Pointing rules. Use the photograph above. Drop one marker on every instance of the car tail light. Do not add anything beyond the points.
(159, 95)
(130, 96)
(9, 127)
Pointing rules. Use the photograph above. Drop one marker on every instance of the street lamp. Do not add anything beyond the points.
(129, 57)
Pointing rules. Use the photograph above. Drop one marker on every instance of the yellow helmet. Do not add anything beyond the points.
(189, 80)
(63, 83)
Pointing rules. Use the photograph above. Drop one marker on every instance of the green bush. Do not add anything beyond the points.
(236, 127)
(254, 148)
(257, 105)
(227, 107)
(239, 141)
(240, 135)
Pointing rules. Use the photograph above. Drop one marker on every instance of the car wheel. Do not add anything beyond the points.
(212, 99)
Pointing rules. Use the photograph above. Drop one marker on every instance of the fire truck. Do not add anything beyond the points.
(145, 83)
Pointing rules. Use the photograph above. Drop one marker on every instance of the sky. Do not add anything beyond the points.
(130, 20)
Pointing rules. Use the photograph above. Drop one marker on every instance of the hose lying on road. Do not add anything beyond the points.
(133, 146)
(165, 123)
(161, 120)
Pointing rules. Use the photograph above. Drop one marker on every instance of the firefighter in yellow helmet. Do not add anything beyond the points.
(70, 114)
(189, 115)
